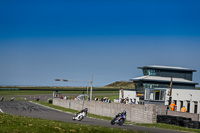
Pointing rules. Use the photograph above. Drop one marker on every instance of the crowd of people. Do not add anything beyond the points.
(102, 99)
(105, 99)
(127, 101)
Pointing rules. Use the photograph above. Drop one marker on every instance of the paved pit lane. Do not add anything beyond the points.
(24, 108)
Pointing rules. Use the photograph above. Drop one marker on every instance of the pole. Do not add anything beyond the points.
(91, 82)
(170, 92)
(87, 92)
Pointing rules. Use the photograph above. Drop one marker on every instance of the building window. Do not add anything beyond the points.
(175, 109)
(150, 72)
(145, 72)
(152, 86)
(181, 104)
(138, 85)
(155, 95)
(188, 106)
(162, 94)
(195, 107)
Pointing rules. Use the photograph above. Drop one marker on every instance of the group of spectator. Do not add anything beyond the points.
(105, 99)
(127, 101)
(173, 105)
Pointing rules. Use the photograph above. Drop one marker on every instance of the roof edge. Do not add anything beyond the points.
(168, 68)
(163, 81)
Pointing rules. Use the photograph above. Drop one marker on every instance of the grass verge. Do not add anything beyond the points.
(20, 124)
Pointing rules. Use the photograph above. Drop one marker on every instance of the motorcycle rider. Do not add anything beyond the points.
(119, 118)
(122, 114)
(83, 110)
(80, 115)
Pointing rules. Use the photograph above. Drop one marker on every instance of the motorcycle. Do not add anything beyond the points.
(79, 116)
(119, 119)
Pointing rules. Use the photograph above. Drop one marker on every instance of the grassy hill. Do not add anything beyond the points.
(123, 84)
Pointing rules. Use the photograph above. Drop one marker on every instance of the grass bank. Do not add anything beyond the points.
(19, 124)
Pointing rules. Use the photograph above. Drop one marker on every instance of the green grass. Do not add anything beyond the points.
(110, 94)
(4, 93)
(56, 88)
(153, 125)
(19, 124)
(31, 92)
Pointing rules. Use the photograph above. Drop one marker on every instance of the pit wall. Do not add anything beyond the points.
(135, 112)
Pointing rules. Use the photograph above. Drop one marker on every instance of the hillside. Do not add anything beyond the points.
(123, 84)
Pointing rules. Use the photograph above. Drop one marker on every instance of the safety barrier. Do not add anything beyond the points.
(178, 120)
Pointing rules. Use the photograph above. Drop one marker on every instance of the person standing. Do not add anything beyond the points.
(172, 106)
(183, 109)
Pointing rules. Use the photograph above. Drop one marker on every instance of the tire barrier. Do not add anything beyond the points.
(178, 121)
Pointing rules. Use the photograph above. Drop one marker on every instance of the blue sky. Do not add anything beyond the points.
(44, 40)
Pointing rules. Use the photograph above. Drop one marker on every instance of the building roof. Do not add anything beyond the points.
(168, 68)
(163, 79)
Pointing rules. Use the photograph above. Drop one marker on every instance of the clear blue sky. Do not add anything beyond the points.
(109, 39)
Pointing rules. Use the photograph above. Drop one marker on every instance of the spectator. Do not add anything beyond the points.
(109, 100)
(106, 100)
(102, 99)
(131, 101)
(96, 99)
(122, 100)
(183, 109)
(172, 106)
(127, 100)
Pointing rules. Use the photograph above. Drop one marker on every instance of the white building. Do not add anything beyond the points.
(152, 88)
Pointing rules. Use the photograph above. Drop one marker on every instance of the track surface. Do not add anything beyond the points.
(24, 108)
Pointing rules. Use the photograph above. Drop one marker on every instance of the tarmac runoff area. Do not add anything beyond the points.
(29, 109)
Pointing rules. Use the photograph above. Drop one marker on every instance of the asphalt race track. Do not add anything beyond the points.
(24, 108)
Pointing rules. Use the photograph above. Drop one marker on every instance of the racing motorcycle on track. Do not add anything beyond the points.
(80, 115)
(119, 119)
